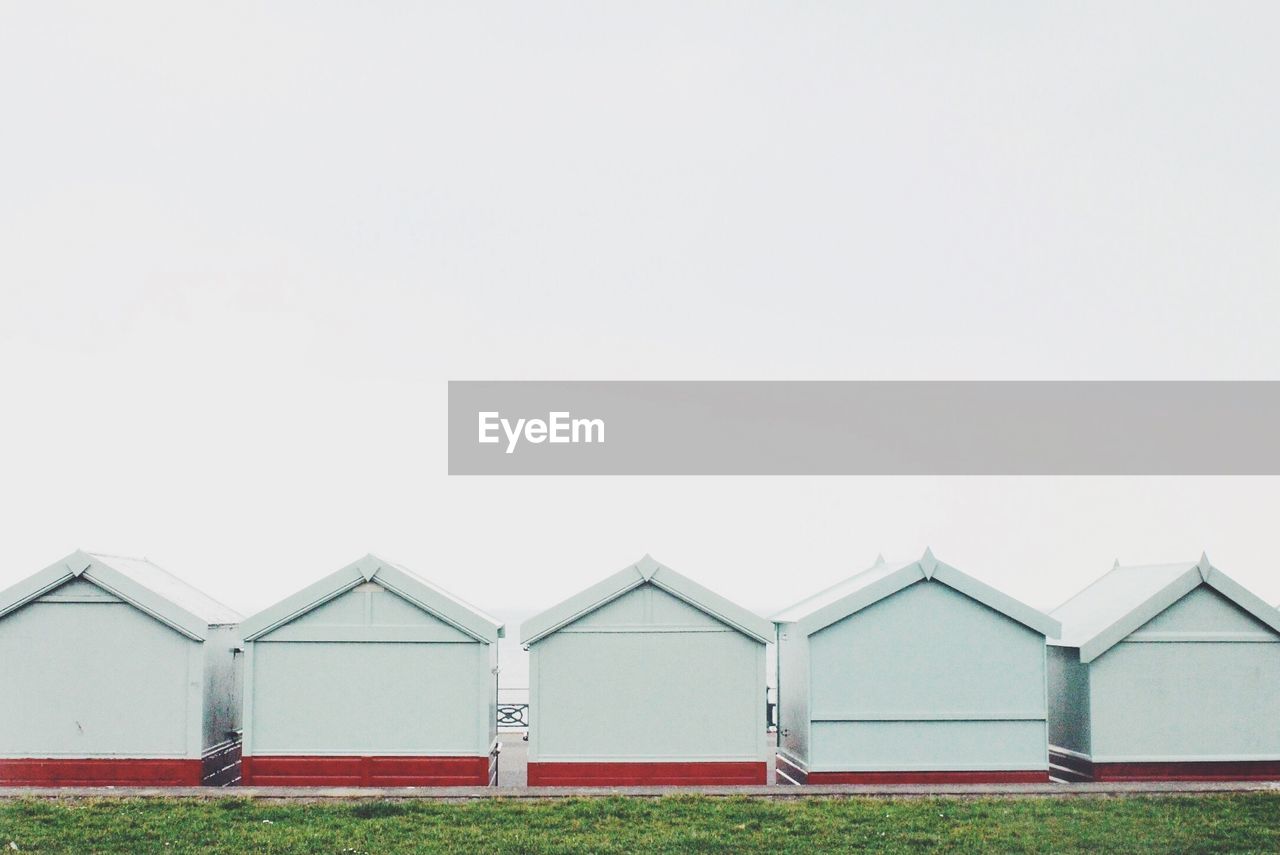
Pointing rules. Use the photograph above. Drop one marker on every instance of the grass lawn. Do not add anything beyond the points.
(678, 824)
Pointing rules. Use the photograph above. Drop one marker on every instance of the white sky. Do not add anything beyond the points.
(244, 246)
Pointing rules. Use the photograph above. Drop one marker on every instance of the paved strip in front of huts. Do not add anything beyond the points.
(331, 794)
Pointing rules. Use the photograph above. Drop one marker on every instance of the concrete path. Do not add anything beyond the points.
(326, 794)
(513, 759)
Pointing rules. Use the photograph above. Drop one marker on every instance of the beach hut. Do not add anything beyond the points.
(647, 678)
(371, 677)
(1167, 671)
(115, 673)
(912, 672)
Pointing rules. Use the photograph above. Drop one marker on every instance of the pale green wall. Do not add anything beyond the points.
(927, 679)
(86, 675)
(647, 678)
(396, 680)
(930, 745)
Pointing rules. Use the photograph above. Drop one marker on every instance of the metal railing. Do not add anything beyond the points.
(513, 715)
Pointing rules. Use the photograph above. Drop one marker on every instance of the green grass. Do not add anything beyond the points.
(677, 824)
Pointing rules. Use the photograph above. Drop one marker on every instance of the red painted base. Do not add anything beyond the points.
(1239, 770)
(996, 776)
(100, 772)
(1190, 770)
(645, 774)
(367, 771)
(1015, 776)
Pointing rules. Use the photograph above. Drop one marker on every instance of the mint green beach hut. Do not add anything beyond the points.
(116, 673)
(1166, 671)
(372, 676)
(912, 672)
(647, 678)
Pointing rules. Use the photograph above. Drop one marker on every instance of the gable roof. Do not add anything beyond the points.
(1122, 600)
(884, 579)
(645, 571)
(395, 578)
(137, 581)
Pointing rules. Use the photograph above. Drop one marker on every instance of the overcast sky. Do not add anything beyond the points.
(244, 246)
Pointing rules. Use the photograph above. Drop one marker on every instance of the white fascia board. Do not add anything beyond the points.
(300, 602)
(1119, 630)
(747, 622)
(998, 600)
(1243, 597)
(437, 603)
(144, 599)
(38, 584)
(584, 602)
(633, 576)
(860, 599)
(82, 565)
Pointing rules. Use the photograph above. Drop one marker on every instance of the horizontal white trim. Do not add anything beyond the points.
(575, 629)
(1038, 766)
(104, 599)
(974, 716)
(650, 758)
(113, 756)
(1183, 758)
(1152, 636)
(472, 751)
(362, 634)
(1163, 758)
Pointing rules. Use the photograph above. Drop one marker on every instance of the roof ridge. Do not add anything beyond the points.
(880, 564)
(107, 557)
(445, 592)
(118, 555)
(1117, 567)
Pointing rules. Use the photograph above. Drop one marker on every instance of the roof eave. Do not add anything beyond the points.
(370, 568)
(1120, 629)
(582, 603)
(1243, 597)
(1001, 602)
(38, 584)
(633, 576)
(300, 602)
(856, 601)
(747, 622)
(81, 564)
(445, 608)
